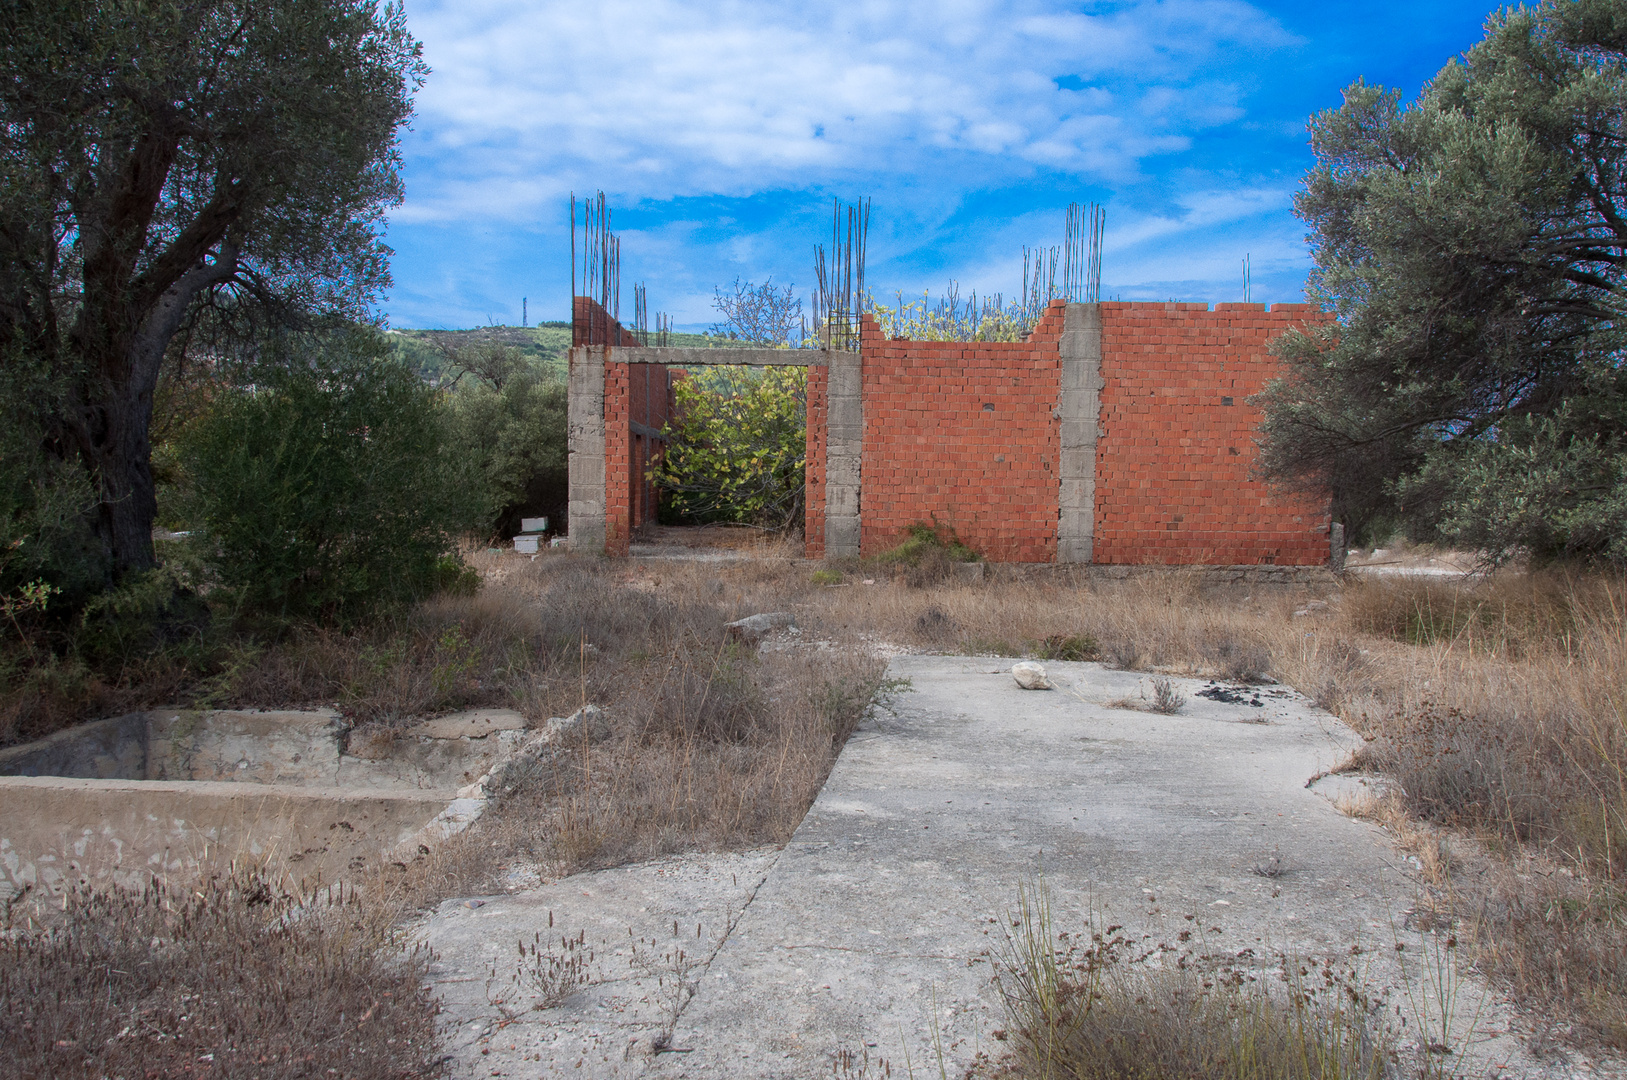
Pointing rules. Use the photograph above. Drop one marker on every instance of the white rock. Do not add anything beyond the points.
(754, 628)
(1029, 675)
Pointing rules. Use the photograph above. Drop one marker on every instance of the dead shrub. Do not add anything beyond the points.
(1237, 659)
(1166, 698)
(231, 980)
(1123, 652)
(935, 625)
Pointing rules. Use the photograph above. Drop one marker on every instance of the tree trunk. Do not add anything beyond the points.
(113, 422)
(125, 471)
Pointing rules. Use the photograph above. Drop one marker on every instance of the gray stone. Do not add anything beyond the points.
(1080, 413)
(589, 722)
(585, 516)
(754, 628)
(971, 571)
(844, 454)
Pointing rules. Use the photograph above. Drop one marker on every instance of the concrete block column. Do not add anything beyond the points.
(844, 451)
(587, 449)
(1080, 412)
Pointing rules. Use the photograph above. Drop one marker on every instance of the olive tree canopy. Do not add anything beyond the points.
(1473, 246)
(163, 159)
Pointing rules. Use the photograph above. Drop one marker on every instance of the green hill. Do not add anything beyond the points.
(544, 345)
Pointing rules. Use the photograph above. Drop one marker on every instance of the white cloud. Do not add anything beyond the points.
(659, 98)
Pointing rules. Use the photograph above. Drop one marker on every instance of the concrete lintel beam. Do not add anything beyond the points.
(626, 354)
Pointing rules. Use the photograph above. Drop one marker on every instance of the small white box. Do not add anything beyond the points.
(525, 545)
(533, 525)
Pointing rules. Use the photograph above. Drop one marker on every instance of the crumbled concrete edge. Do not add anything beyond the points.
(472, 799)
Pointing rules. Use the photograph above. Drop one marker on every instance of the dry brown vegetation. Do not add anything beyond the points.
(228, 980)
(1103, 1005)
(1497, 705)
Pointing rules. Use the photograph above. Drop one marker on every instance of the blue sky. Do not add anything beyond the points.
(721, 131)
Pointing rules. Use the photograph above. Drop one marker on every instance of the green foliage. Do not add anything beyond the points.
(1473, 249)
(826, 577)
(510, 420)
(44, 534)
(1540, 485)
(328, 488)
(442, 355)
(989, 319)
(738, 446)
(927, 539)
(1069, 647)
(215, 164)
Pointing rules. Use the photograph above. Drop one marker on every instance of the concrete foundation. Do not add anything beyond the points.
(186, 793)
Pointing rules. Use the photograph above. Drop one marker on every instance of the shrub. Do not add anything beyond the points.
(327, 488)
(923, 539)
(737, 450)
(511, 424)
(1069, 647)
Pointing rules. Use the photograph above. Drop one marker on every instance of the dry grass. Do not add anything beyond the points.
(1101, 1006)
(1498, 705)
(712, 745)
(229, 980)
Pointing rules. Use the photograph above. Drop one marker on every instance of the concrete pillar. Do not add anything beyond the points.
(1080, 412)
(844, 450)
(586, 411)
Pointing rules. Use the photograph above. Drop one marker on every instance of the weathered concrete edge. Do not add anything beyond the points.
(1204, 574)
(686, 357)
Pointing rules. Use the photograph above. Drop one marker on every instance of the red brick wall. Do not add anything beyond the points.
(813, 513)
(963, 431)
(1172, 463)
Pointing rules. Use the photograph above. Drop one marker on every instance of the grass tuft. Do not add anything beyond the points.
(1098, 1006)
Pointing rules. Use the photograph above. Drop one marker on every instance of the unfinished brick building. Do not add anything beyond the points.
(1117, 433)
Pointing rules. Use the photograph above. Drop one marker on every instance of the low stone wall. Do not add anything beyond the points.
(114, 802)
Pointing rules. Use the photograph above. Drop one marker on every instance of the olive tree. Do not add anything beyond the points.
(163, 160)
(1473, 248)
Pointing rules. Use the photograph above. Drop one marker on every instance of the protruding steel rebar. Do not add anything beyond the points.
(842, 299)
(601, 267)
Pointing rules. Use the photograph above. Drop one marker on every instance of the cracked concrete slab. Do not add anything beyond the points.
(876, 930)
(878, 926)
(651, 929)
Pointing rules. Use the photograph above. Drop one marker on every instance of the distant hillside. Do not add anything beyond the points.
(544, 345)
